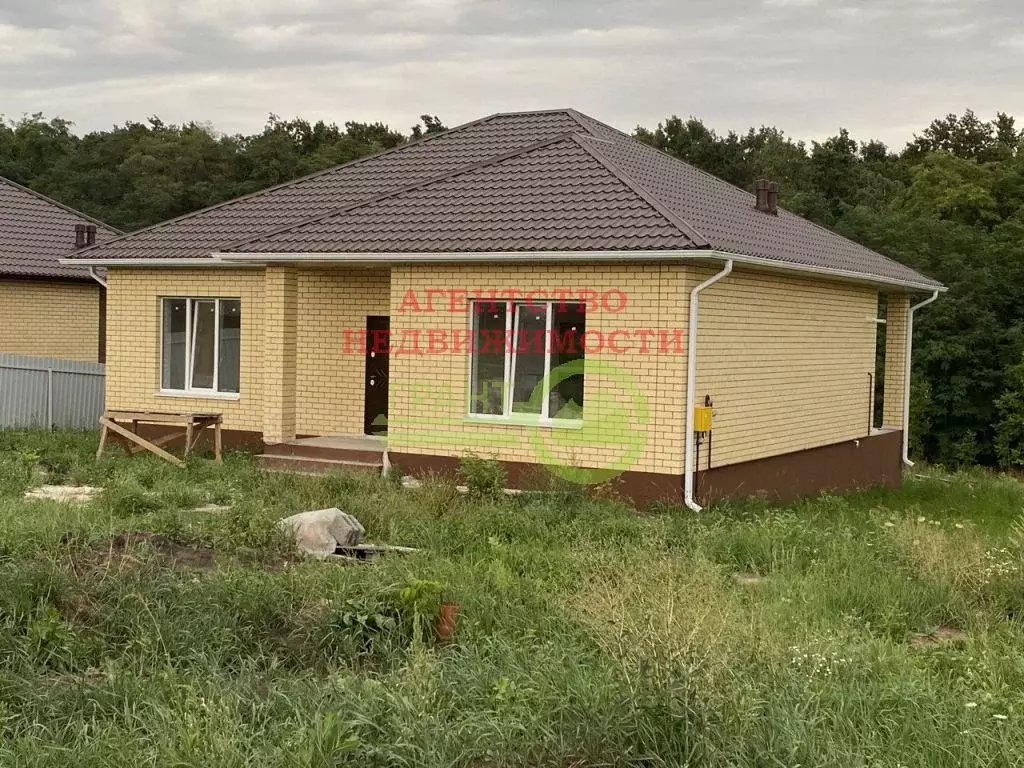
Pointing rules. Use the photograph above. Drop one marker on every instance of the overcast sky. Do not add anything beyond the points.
(881, 69)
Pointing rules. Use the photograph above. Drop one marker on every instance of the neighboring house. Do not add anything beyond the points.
(522, 287)
(47, 309)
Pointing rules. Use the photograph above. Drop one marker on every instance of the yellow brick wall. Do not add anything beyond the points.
(429, 392)
(330, 381)
(786, 361)
(279, 353)
(133, 339)
(897, 315)
(50, 319)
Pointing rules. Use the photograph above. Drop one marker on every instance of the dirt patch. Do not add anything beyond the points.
(133, 549)
(129, 550)
(941, 636)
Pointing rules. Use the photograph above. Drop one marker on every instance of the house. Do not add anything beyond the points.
(48, 309)
(537, 287)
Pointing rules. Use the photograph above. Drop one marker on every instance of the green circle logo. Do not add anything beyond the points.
(612, 437)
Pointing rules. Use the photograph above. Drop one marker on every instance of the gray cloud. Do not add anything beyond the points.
(881, 69)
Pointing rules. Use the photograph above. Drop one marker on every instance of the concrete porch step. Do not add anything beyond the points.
(315, 465)
(308, 450)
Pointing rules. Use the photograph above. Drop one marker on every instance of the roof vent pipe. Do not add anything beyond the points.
(79, 235)
(761, 195)
(90, 234)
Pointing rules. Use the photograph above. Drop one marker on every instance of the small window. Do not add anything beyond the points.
(488, 371)
(520, 360)
(201, 345)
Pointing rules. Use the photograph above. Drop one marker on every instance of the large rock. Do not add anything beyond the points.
(321, 531)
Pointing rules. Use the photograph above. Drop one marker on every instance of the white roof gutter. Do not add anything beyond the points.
(906, 376)
(205, 261)
(96, 277)
(552, 257)
(573, 256)
(691, 385)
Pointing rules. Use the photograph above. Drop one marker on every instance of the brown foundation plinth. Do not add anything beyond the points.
(640, 488)
(869, 461)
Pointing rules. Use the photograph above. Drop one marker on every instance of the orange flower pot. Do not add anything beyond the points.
(447, 618)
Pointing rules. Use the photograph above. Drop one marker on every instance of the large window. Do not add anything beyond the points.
(527, 360)
(201, 345)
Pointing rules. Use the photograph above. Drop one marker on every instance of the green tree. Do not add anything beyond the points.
(140, 173)
(1010, 424)
(430, 124)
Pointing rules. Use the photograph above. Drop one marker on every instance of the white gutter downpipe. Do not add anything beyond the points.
(691, 384)
(906, 377)
(97, 278)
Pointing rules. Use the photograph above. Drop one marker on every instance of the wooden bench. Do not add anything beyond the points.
(191, 426)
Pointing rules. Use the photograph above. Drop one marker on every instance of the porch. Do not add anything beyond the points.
(329, 453)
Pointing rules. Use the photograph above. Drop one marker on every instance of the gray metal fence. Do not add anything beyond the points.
(47, 392)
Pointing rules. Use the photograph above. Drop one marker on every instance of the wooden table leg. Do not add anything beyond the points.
(217, 443)
(103, 439)
(188, 438)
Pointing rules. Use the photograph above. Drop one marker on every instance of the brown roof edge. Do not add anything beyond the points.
(84, 278)
(265, 190)
(58, 204)
(685, 227)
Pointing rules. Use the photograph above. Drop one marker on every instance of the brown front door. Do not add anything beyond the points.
(375, 409)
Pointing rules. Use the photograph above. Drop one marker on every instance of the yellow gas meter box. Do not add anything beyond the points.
(702, 419)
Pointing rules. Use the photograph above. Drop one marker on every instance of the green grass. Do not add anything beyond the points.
(589, 635)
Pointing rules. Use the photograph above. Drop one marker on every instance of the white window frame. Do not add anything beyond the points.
(190, 339)
(507, 416)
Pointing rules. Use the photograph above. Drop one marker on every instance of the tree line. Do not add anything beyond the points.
(950, 203)
(140, 173)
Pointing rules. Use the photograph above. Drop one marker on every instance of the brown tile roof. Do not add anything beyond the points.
(553, 197)
(535, 181)
(196, 235)
(36, 231)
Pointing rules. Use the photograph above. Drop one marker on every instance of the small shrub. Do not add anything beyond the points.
(360, 622)
(419, 603)
(50, 641)
(485, 478)
(400, 616)
(31, 468)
